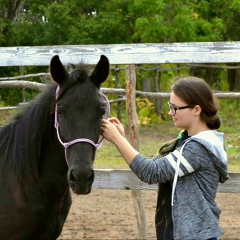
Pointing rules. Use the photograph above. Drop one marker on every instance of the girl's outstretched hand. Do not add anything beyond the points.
(112, 129)
(118, 125)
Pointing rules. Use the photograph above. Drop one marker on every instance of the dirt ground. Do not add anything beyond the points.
(109, 214)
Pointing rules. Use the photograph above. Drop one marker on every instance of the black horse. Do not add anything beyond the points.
(48, 146)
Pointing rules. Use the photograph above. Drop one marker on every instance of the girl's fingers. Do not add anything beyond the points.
(114, 120)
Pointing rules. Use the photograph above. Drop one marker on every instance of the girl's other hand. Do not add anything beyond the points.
(118, 125)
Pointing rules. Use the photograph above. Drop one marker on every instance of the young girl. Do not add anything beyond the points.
(189, 175)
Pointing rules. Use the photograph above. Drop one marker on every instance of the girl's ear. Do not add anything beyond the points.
(197, 110)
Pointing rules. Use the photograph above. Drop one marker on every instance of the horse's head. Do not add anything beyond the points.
(80, 107)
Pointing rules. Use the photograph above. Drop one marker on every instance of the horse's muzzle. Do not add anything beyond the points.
(81, 182)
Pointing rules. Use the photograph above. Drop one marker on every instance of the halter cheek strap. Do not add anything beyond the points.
(67, 144)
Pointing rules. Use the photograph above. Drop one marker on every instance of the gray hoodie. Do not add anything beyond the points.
(195, 169)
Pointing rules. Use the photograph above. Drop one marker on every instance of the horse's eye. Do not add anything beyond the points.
(102, 113)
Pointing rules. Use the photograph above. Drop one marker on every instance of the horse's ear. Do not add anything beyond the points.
(101, 71)
(57, 70)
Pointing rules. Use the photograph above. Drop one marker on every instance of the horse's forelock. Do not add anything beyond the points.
(79, 72)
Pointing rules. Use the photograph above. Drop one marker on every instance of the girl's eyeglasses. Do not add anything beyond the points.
(174, 109)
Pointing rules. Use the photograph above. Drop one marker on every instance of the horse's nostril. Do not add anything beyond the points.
(72, 177)
(77, 176)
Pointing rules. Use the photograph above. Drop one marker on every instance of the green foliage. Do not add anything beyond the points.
(146, 112)
(52, 22)
(99, 22)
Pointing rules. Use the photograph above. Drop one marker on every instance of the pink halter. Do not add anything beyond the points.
(67, 144)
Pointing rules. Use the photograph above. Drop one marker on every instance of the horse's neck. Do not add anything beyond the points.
(52, 154)
(31, 144)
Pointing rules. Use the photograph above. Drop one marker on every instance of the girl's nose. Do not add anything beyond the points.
(170, 113)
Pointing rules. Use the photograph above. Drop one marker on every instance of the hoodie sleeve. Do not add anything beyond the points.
(194, 157)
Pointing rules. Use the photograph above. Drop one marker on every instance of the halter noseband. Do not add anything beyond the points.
(67, 144)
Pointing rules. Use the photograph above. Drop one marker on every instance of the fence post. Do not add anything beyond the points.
(158, 88)
(23, 88)
(119, 104)
(134, 140)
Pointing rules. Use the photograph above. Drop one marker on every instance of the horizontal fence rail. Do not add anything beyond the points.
(127, 180)
(149, 53)
(115, 91)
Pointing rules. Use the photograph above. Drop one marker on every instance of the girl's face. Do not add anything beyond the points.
(183, 117)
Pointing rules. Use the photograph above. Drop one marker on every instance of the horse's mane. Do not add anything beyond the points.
(21, 140)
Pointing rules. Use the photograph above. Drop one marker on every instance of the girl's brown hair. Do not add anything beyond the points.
(195, 91)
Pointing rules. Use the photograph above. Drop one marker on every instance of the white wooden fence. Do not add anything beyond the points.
(130, 54)
(205, 52)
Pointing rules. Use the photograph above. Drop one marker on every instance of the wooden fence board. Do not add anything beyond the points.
(127, 180)
(115, 91)
(149, 53)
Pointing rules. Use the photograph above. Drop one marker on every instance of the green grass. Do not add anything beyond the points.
(151, 138)
(230, 116)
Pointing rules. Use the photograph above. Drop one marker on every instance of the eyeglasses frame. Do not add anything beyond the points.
(174, 109)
